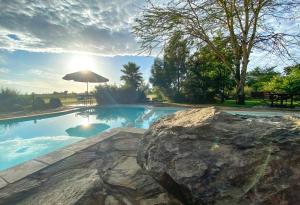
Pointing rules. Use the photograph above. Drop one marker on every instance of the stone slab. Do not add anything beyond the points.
(55, 156)
(83, 144)
(20, 171)
(2, 183)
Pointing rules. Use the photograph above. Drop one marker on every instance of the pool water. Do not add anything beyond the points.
(265, 113)
(22, 140)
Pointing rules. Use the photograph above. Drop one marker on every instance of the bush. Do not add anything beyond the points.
(38, 104)
(106, 95)
(55, 103)
(10, 100)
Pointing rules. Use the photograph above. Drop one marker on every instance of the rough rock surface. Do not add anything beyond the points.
(106, 174)
(203, 156)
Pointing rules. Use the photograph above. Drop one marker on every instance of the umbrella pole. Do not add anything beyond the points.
(87, 93)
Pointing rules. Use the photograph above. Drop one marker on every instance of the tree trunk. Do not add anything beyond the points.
(178, 80)
(240, 95)
(241, 84)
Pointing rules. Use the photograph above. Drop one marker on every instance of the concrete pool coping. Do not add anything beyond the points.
(18, 172)
(42, 115)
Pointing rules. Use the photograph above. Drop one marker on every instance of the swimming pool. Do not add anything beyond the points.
(23, 140)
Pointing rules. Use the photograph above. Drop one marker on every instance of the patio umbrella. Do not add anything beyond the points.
(86, 77)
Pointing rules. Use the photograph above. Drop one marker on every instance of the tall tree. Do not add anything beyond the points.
(131, 75)
(175, 57)
(207, 77)
(160, 77)
(168, 74)
(247, 24)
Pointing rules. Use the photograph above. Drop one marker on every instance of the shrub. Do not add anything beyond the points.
(38, 104)
(118, 95)
(55, 103)
(10, 100)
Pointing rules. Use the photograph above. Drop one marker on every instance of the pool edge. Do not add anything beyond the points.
(20, 171)
(47, 114)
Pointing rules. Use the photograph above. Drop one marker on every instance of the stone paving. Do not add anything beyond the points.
(100, 170)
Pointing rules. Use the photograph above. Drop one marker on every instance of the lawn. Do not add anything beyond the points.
(248, 103)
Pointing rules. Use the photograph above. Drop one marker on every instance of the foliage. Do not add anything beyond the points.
(54, 103)
(207, 77)
(246, 24)
(175, 57)
(287, 84)
(131, 76)
(11, 101)
(161, 78)
(258, 77)
(108, 94)
(133, 90)
(159, 95)
(168, 73)
(39, 104)
(291, 82)
(202, 77)
(289, 69)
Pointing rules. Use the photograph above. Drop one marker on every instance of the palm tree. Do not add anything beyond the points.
(131, 75)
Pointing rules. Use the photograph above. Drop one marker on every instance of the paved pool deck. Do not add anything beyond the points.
(97, 170)
(44, 113)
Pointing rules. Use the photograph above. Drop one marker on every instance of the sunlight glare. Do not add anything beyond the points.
(82, 62)
(86, 124)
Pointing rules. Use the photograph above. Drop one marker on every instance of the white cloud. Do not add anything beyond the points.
(4, 70)
(95, 26)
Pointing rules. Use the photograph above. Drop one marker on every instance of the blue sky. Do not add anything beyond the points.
(40, 41)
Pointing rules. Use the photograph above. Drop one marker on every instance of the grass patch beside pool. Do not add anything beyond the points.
(248, 103)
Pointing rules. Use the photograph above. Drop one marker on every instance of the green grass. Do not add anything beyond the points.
(248, 103)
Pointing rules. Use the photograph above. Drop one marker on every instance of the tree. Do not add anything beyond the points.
(175, 56)
(258, 77)
(207, 77)
(246, 23)
(289, 69)
(131, 75)
(168, 74)
(160, 76)
(289, 84)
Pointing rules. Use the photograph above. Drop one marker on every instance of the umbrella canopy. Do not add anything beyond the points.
(85, 76)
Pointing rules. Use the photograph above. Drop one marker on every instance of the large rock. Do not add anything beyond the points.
(203, 156)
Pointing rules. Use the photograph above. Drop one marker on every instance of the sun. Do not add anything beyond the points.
(82, 62)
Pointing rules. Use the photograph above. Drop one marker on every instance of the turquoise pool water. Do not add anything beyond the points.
(22, 140)
(265, 113)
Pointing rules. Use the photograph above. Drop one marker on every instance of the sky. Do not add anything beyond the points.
(41, 41)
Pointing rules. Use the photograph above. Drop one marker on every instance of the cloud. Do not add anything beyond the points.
(98, 27)
(4, 70)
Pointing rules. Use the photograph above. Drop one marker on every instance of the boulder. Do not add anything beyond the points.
(205, 156)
